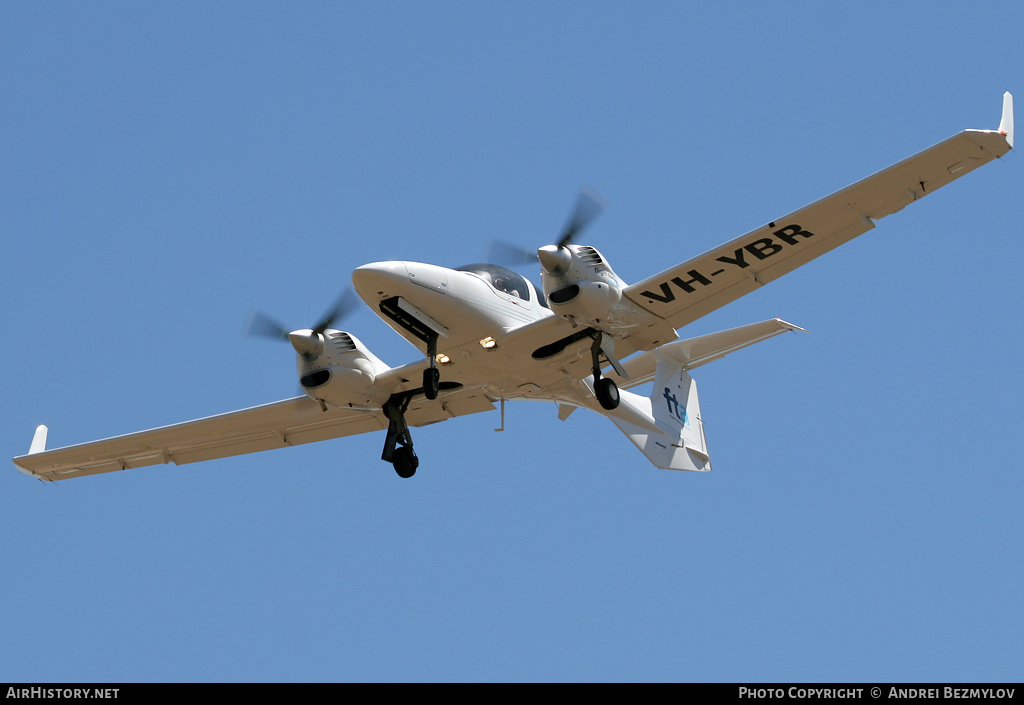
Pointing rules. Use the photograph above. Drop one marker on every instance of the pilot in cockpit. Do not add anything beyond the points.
(503, 285)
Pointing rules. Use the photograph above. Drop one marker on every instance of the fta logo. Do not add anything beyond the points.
(677, 410)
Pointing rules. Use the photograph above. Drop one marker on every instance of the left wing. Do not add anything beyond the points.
(278, 425)
(705, 283)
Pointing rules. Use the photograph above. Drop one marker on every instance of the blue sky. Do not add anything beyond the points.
(167, 167)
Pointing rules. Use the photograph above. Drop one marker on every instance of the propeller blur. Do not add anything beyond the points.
(487, 334)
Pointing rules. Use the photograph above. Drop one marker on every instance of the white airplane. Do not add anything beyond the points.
(488, 335)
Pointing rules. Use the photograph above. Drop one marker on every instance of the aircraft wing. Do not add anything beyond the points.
(684, 293)
(277, 425)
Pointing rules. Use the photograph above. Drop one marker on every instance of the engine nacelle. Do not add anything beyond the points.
(582, 288)
(336, 368)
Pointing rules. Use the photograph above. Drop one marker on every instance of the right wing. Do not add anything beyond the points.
(693, 289)
(277, 425)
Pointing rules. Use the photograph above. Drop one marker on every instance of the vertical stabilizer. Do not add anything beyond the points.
(673, 436)
(679, 410)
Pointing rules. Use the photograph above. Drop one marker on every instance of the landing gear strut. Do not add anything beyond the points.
(606, 390)
(431, 375)
(398, 443)
(403, 457)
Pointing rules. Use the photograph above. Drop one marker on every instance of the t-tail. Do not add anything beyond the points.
(667, 425)
(671, 432)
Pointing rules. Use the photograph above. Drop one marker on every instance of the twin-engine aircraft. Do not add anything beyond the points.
(488, 335)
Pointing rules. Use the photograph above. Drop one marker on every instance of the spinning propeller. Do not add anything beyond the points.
(308, 342)
(589, 205)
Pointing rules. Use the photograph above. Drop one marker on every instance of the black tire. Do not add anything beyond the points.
(405, 462)
(607, 393)
(431, 382)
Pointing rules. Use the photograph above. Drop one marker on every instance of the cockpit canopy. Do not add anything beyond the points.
(502, 279)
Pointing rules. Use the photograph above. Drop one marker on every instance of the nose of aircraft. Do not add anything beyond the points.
(378, 279)
(372, 280)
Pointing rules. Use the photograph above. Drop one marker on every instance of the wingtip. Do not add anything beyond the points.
(38, 440)
(1006, 123)
(790, 326)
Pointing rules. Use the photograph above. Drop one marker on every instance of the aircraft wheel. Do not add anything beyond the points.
(405, 462)
(607, 393)
(431, 382)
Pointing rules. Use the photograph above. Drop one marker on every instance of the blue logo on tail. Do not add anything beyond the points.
(677, 410)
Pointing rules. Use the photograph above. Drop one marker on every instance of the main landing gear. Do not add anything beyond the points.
(398, 443)
(398, 448)
(431, 382)
(607, 393)
(605, 389)
(403, 457)
(405, 462)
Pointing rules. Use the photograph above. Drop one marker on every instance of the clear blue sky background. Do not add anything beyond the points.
(166, 167)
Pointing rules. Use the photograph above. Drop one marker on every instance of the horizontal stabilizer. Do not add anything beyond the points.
(667, 426)
(694, 352)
